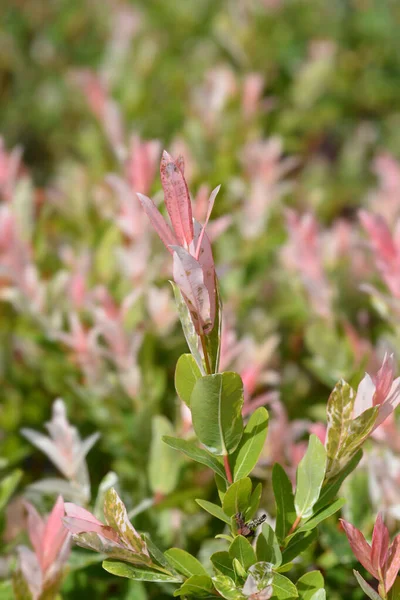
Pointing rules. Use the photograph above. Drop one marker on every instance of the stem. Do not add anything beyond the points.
(206, 358)
(227, 469)
(295, 525)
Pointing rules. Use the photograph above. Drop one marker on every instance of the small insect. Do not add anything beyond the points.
(248, 529)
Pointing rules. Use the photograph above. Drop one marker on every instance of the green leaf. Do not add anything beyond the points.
(189, 331)
(283, 587)
(268, 549)
(8, 485)
(248, 452)
(223, 563)
(184, 562)
(216, 404)
(186, 374)
(366, 588)
(198, 586)
(309, 583)
(323, 514)
(213, 339)
(122, 569)
(214, 510)
(243, 551)
(237, 497)
(310, 476)
(284, 500)
(332, 486)
(320, 595)
(240, 572)
(196, 453)
(227, 588)
(254, 503)
(222, 485)
(164, 467)
(157, 556)
(297, 544)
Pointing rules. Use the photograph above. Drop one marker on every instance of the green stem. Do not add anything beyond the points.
(205, 353)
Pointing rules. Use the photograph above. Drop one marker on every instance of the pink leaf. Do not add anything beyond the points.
(209, 211)
(54, 535)
(189, 277)
(177, 199)
(36, 528)
(158, 222)
(380, 543)
(361, 549)
(392, 563)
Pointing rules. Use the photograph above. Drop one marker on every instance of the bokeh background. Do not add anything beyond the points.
(291, 105)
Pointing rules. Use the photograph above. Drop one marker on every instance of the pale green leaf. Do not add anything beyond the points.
(248, 452)
(122, 569)
(366, 588)
(184, 562)
(216, 404)
(195, 453)
(214, 510)
(310, 477)
(186, 374)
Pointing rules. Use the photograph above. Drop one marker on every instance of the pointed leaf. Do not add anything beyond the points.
(366, 588)
(248, 452)
(254, 502)
(213, 338)
(214, 510)
(196, 453)
(284, 499)
(177, 199)
(310, 476)
(216, 404)
(185, 563)
(122, 569)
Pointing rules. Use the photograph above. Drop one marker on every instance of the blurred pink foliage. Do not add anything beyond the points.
(42, 568)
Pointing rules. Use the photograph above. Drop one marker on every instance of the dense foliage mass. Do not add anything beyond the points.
(120, 433)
